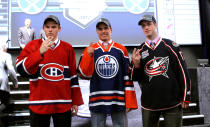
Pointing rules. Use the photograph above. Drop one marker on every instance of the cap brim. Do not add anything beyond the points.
(140, 22)
(51, 19)
(101, 23)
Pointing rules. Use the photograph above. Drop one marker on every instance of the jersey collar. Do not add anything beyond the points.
(157, 42)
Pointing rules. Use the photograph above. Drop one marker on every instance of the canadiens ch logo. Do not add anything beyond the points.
(157, 66)
(107, 66)
(52, 72)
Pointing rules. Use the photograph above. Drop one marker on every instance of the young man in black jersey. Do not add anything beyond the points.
(160, 69)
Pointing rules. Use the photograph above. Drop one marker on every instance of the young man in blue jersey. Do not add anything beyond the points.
(160, 69)
(106, 64)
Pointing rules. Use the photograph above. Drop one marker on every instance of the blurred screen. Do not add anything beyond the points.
(78, 19)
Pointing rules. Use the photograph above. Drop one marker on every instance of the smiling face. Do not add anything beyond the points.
(104, 32)
(51, 29)
(149, 29)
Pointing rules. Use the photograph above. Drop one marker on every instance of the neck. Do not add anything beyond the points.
(152, 37)
(54, 39)
(105, 40)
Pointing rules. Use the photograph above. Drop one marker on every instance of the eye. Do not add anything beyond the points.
(100, 29)
(106, 28)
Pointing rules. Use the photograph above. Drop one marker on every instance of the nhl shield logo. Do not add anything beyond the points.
(107, 66)
(82, 12)
(32, 6)
(136, 6)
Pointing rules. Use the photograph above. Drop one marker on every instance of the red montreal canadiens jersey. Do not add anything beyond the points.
(111, 89)
(54, 84)
(163, 76)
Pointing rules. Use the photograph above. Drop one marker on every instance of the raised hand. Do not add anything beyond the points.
(136, 57)
(46, 45)
(90, 49)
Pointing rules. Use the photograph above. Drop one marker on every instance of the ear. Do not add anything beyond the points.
(156, 25)
(59, 29)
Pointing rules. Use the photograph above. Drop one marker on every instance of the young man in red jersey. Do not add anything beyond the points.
(51, 67)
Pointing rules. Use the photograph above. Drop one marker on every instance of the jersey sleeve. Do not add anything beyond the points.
(181, 71)
(75, 89)
(86, 65)
(130, 94)
(27, 62)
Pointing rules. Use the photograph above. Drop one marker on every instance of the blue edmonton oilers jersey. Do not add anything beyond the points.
(109, 78)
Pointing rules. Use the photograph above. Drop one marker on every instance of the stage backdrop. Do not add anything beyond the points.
(177, 20)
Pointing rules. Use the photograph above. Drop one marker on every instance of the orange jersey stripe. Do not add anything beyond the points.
(107, 98)
(122, 48)
(128, 83)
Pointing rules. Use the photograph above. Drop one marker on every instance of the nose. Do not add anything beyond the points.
(103, 30)
(50, 29)
(146, 26)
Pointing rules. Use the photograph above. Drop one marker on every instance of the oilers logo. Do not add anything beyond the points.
(106, 66)
(52, 72)
(157, 66)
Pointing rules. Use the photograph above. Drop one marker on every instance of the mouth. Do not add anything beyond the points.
(104, 35)
(148, 31)
(50, 34)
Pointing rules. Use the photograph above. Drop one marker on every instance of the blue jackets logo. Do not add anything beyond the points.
(52, 72)
(157, 66)
(106, 66)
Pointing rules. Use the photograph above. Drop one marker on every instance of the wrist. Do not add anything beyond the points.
(136, 65)
(90, 54)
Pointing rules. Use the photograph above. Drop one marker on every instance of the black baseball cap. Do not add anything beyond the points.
(103, 20)
(149, 18)
(52, 17)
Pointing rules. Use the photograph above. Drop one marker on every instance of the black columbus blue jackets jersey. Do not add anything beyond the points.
(111, 89)
(163, 75)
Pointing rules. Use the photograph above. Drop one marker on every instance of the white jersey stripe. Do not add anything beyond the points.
(74, 76)
(130, 88)
(35, 79)
(20, 62)
(83, 73)
(49, 101)
(107, 103)
(75, 86)
(25, 67)
(185, 82)
(107, 92)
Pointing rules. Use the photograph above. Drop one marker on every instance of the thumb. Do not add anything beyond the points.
(91, 44)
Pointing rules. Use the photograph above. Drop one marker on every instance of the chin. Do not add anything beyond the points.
(148, 35)
(104, 40)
